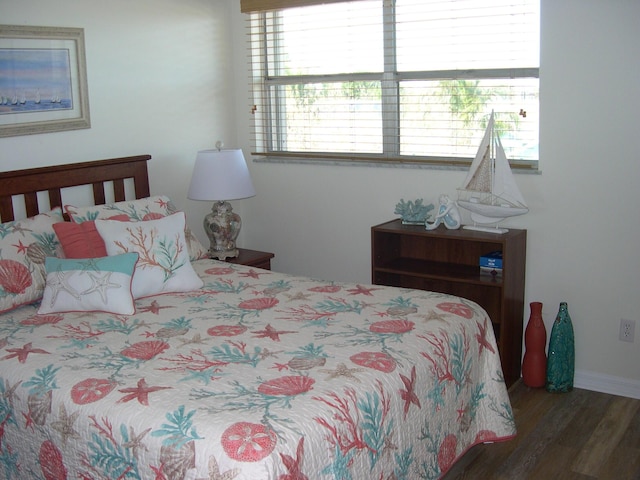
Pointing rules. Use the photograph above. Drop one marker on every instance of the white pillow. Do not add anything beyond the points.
(163, 264)
(89, 285)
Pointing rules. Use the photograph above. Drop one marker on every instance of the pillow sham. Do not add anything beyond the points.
(80, 240)
(143, 209)
(163, 265)
(24, 245)
(89, 285)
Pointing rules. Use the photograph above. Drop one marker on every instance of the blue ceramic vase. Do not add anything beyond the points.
(561, 354)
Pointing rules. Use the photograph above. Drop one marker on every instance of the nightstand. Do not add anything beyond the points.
(252, 258)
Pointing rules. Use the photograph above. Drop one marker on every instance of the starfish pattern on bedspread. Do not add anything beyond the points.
(253, 376)
(22, 353)
(140, 392)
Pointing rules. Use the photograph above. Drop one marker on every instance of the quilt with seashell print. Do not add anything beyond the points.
(257, 375)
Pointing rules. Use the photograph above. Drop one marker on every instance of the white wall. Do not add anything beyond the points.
(168, 77)
(160, 82)
(583, 225)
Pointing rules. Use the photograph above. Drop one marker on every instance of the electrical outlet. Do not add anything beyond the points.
(627, 330)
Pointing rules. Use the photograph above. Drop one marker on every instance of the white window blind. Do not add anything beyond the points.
(401, 81)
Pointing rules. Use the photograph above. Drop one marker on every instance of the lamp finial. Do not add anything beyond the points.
(219, 145)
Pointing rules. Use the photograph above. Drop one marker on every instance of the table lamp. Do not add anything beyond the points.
(220, 175)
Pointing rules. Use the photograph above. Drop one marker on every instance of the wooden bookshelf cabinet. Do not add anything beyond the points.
(446, 261)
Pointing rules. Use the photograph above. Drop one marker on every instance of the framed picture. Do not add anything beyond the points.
(43, 86)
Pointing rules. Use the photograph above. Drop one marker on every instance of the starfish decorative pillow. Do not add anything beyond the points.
(89, 285)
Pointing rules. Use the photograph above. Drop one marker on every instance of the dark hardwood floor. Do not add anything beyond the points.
(580, 435)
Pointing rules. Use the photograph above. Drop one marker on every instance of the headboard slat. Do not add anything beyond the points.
(52, 179)
(31, 203)
(55, 197)
(6, 209)
(98, 193)
(118, 190)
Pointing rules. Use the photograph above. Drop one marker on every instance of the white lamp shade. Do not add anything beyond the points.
(220, 175)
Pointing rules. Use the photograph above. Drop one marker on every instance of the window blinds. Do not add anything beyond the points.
(248, 6)
(406, 81)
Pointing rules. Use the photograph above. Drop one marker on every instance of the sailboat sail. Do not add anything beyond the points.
(480, 178)
(504, 184)
(489, 191)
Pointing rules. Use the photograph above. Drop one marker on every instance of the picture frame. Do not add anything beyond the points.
(45, 86)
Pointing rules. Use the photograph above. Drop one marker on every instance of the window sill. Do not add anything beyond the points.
(522, 167)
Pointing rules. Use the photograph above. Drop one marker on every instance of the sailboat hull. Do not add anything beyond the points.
(491, 213)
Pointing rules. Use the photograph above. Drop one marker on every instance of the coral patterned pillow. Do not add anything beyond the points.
(150, 208)
(163, 265)
(89, 285)
(24, 245)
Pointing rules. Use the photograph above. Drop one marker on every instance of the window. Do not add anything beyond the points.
(395, 81)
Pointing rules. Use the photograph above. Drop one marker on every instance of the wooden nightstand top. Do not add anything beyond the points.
(252, 258)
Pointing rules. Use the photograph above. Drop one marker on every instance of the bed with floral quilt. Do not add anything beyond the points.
(130, 355)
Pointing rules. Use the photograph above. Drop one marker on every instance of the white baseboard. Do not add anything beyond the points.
(599, 382)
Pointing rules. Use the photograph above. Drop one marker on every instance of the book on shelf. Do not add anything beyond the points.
(491, 264)
(491, 260)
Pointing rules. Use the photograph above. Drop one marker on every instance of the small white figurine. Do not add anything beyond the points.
(448, 214)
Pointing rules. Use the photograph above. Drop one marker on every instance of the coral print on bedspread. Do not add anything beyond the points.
(256, 375)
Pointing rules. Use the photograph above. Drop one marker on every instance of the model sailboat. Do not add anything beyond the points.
(490, 192)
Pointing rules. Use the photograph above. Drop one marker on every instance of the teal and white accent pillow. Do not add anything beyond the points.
(89, 285)
(163, 264)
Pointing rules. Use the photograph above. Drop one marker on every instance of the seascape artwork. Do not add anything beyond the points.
(37, 80)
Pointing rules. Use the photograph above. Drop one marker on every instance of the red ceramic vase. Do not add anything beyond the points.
(534, 364)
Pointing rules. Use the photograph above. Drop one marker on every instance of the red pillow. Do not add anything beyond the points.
(80, 240)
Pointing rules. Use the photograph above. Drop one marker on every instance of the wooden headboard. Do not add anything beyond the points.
(29, 182)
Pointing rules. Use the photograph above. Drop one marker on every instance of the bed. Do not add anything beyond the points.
(249, 374)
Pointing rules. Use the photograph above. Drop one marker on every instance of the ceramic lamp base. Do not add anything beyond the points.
(222, 226)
